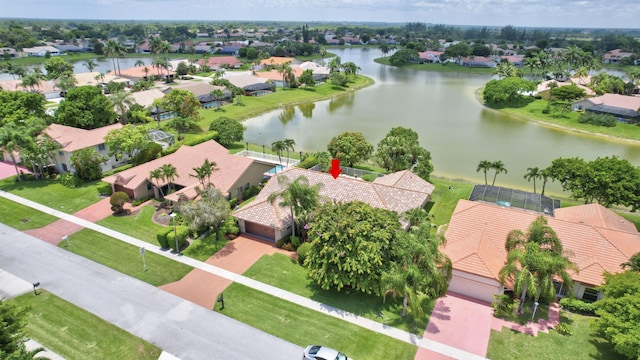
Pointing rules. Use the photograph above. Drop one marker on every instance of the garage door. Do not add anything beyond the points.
(473, 289)
(260, 230)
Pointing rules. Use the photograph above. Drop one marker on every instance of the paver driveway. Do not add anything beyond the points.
(460, 322)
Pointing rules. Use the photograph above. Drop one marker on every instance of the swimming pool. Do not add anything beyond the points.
(276, 170)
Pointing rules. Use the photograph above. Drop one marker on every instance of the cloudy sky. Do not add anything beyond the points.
(536, 13)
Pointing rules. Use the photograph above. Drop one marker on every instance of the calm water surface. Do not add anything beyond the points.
(442, 109)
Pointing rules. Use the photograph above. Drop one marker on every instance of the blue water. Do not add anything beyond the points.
(276, 170)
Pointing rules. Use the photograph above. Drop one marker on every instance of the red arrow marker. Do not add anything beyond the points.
(335, 168)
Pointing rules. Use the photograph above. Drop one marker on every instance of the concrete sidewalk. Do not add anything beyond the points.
(381, 328)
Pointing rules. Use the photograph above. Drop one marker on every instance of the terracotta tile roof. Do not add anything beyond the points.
(185, 159)
(276, 60)
(197, 88)
(89, 78)
(597, 238)
(342, 189)
(146, 97)
(217, 61)
(244, 80)
(405, 180)
(72, 139)
(16, 85)
(137, 72)
(573, 81)
(277, 76)
(619, 101)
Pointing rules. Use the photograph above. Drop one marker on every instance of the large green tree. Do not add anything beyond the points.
(419, 272)
(534, 260)
(619, 320)
(128, 140)
(403, 56)
(12, 323)
(85, 107)
(17, 105)
(208, 212)
(507, 90)
(15, 138)
(56, 66)
(298, 195)
(87, 164)
(400, 150)
(350, 147)
(183, 102)
(351, 245)
(229, 130)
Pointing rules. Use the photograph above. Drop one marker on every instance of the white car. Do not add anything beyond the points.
(317, 352)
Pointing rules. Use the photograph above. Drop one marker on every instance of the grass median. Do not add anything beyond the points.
(75, 333)
(303, 326)
(125, 258)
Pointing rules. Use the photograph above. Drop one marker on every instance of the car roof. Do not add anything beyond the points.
(327, 353)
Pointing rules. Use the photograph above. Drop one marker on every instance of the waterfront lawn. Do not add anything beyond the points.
(583, 344)
(22, 217)
(445, 67)
(139, 225)
(55, 195)
(282, 272)
(75, 333)
(303, 326)
(444, 199)
(533, 111)
(125, 258)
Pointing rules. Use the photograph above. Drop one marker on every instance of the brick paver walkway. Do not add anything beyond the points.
(203, 288)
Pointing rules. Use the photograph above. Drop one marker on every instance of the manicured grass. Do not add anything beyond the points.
(139, 226)
(75, 333)
(280, 271)
(443, 200)
(22, 217)
(55, 195)
(125, 258)
(303, 326)
(532, 110)
(583, 344)
(31, 60)
(447, 67)
(202, 249)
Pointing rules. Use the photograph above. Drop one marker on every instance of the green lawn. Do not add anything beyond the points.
(280, 271)
(53, 194)
(583, 344)
(202, 249)
(444, 200)
(532, 110)
(22, 217)
(74, 333)
(139, 226)
(446, 67)
(125, 258)
(303, 326)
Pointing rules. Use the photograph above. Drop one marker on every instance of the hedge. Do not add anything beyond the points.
(578, 306)
(182, 232)
(161, 235)
(191, 142)
(303, 252)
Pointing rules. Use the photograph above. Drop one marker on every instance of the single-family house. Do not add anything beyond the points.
(202, 34)
(276, 77)
(147, 97)
(429, 56)
(597, 239)
(478, 61)
(96, 78)
(399, 192)
(252, 85)
(615, 56)
(203, 92)
(515, 60)
(46, 87)
(70, 48)
(625, 108)
(41, 51)
(217, 62)
(73, 139)
(546, 85)
(320, 73)
(234, 175)
(276, 61)
(148, 72)
(12, 53)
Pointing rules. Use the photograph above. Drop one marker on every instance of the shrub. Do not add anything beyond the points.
(309, 162)
(69, 180)
(606, 120)
(251, 191)
(161, 235)
(578, 306)
(181, 232)
(118, 199)
(191, 142)
(369, 177)
(303, 251)
(117, 170)
(230, 228)
(233, 203)
(280, 243)
(564, 329)
(504, 305)
(137, 202)
(295, 242)
(150, 152)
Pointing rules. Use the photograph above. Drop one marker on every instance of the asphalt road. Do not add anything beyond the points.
(179, 327)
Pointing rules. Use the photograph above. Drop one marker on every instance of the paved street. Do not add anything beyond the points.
(180, 327)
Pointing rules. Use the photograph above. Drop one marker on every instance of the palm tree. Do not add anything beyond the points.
(13, 139)
(350, 68)
(335, 64)
(146, 73)
(581, 73)
(533, 173)
(322, 52)
(415, 216)
(91, 65)
(204, 172)
(218, 95)
(169, 172)
(139, 62)
(420, 271)
(284, 70)
(484, 166)
(115, 51)
(298, 195)
(66, 81)
(384, 48)
(162, 47)
(122, 101)
(278, 147)
(32, 80)
(157, 175)
(289, 144)
(498, 167)
(545, 175)
(534, 259)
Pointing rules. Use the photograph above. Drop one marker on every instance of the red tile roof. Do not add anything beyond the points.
(617, 100)
(217, 61)
(344, 189)
(72, 139)
(598, 239)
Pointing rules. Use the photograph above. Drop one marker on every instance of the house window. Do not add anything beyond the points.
(101, 147)
(561, 289)
(64, 167)
(590, 294)
(59, 152)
